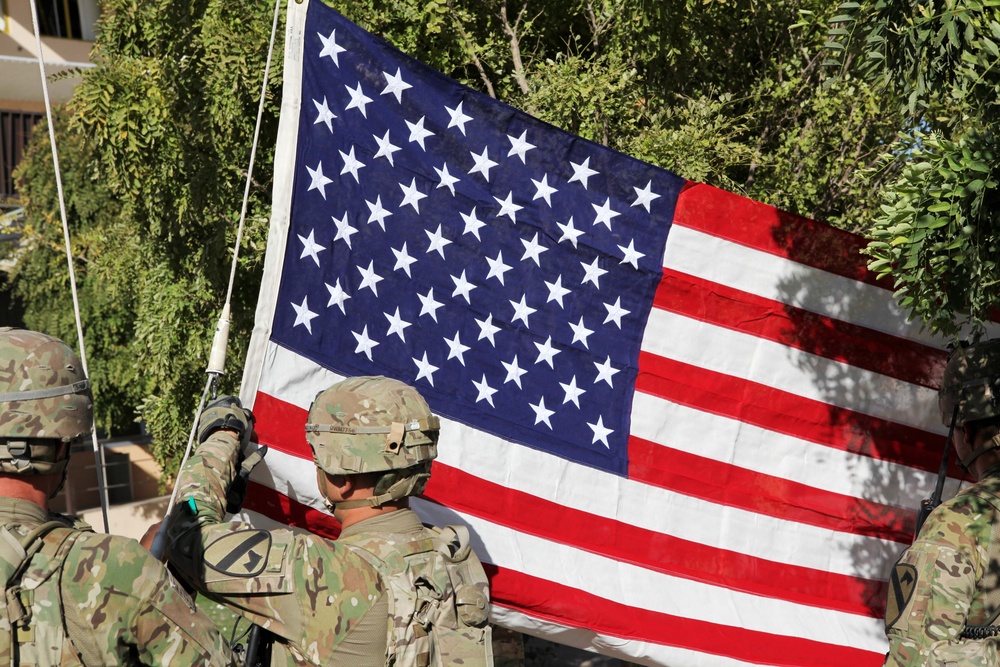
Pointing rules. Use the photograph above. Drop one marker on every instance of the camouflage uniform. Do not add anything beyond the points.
(120, 605)
(73, 596)
(325, 601)
(944, 592)
(942, 582)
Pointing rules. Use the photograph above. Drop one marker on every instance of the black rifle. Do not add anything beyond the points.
(927, 505)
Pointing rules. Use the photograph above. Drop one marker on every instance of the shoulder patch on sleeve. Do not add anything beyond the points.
(902, 583)
(240, 554)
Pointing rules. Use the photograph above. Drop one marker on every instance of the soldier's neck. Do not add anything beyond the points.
(33, 488)
(349, 517)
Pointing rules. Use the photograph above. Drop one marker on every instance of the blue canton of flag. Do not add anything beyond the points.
(504, 267)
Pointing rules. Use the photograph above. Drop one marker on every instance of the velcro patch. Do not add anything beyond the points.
(902, 583)
(240, 554)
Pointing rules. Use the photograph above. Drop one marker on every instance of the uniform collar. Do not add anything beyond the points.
(16, 510)
(403, 520)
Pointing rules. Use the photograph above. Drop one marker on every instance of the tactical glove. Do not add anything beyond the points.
(238, 489)
(226, 413)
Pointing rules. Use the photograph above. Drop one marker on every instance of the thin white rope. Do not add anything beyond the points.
(158, 540)
(253, 149)
(98, 452)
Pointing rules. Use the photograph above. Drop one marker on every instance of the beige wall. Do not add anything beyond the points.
(20, 81)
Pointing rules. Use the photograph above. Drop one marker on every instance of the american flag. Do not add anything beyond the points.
(684, 428)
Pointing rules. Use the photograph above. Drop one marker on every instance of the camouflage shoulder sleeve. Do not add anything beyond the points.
(933, 585)
(289, 582)
(128, 598)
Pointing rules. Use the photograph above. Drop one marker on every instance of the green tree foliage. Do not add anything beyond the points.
(937, 232)
(156, 140)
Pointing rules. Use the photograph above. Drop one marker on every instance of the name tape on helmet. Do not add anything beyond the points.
(49, 392)
(431, 423)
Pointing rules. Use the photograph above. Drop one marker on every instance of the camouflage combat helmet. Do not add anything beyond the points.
(971, 383)
(374, 424)
(44, 402)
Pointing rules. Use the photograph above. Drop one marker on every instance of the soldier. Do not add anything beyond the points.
(389, 591)
(73, 596)
(944, 593)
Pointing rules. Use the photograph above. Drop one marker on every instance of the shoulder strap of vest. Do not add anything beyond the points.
(991, 599)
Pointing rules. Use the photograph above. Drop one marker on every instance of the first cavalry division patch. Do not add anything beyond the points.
(239, 554)
(902, 582)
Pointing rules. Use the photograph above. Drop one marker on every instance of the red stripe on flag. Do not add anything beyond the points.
(749, 223)
(783, 412)
(650, 549)
(281, 425)
(700, 477)
(276, 505)
(816, 334)
(570, 606)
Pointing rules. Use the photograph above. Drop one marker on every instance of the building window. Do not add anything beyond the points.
(15, 131)
(59, 18)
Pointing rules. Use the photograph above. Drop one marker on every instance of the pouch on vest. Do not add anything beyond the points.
(438, 601)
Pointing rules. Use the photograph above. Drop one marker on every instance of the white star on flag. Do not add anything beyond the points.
(385, 147)
(309, 247)
(351, 165)
(411, 196)
(325, 115)
(519, 146)
(378, 214)
(497, 267)
(592, 273)
(601, 433)
(458, 119)
(631, 255)
(521, 311)
(582, 172)
(569, 232)
(543, 190)
(365, 344)
(456, 349)
(472, 223)
(395, 86)
(485, 391)
(483, 163)
(605, 372)
(508, 207)
(429, 305)
(437, 241)
(425, 369)
(369, 278)
(303, 315)
(418, 133)
(604, 214)
(573, 392)
(358, 100)
(616, 312)
(462, 287)
(546, 353)
(580, 332)
(397, 325)
(488, 330)
(344, 230)
(337, 296)
(330, 47)
(645, 196)
(556, 291)
(533, 250)
(542, 413)
(403, 260)
(447, 180)
(514, 372)
(319, 181)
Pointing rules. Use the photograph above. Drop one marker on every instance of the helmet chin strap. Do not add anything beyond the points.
(994, 443)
